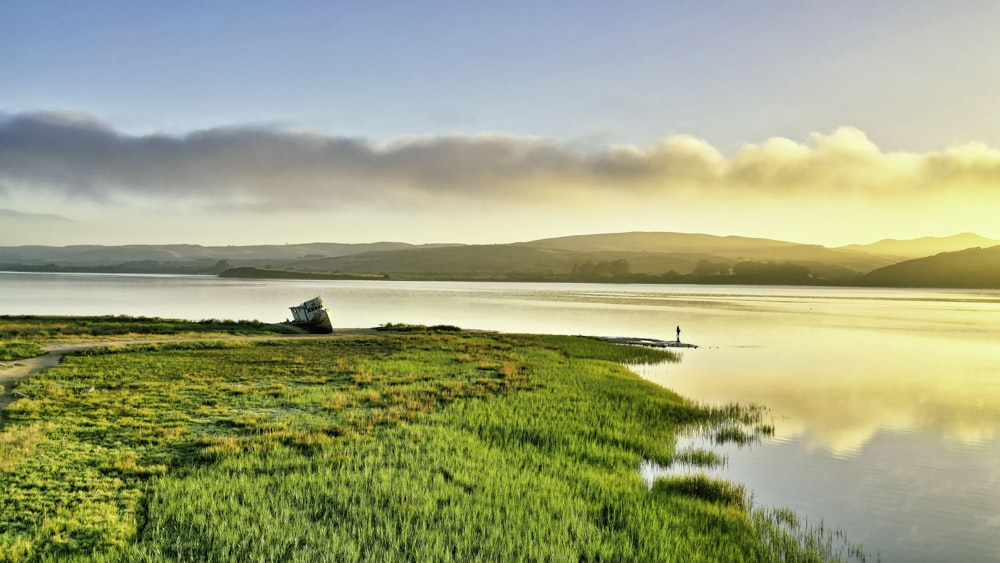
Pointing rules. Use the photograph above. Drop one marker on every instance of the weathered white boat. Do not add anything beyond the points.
(312, 316)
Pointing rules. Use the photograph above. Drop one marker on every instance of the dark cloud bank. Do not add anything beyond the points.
(78, 155)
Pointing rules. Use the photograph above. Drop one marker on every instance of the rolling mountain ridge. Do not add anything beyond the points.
(98, 255)
(972, 268)
(921, 247)
(651, 257)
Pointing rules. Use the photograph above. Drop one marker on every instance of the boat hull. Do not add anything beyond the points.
(319, 325)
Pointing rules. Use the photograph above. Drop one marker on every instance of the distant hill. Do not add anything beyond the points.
(502, 261)
(921, 247)
(643, 257)
(636, 257)
(972, 268)
(142, 257)
(714, 247)
(658, 242)
(464, 261)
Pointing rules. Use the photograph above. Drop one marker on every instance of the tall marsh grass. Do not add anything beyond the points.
(28, 328)
(17, 350)
(408, 446)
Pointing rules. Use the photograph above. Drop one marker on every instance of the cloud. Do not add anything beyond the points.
(19, 227)
(9, 215)
(77, 155)
(847, 162)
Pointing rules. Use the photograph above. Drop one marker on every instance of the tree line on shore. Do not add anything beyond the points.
(706, 271)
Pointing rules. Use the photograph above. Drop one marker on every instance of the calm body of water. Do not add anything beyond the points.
(886, 402)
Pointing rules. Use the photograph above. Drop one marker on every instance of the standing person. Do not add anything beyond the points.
(678, 334)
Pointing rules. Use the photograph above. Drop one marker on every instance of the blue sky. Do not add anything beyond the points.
(575, 81)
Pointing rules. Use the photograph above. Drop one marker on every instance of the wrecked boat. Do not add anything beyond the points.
(312, 317)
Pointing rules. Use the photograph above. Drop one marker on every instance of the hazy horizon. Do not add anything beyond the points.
(481, 124)
(928, 240)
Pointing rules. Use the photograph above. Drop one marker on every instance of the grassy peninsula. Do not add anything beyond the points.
(408, 444)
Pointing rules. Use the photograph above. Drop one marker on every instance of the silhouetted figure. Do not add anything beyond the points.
(678, 334)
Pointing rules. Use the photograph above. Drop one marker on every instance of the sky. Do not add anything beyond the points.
(248, 122)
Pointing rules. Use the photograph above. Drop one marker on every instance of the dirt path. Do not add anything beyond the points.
(12, 372)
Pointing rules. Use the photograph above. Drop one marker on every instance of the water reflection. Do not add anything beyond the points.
(847, 386)
(891, 432)
(904, 495)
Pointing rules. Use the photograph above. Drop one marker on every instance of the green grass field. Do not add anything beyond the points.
(19, 328)
(415, 445)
